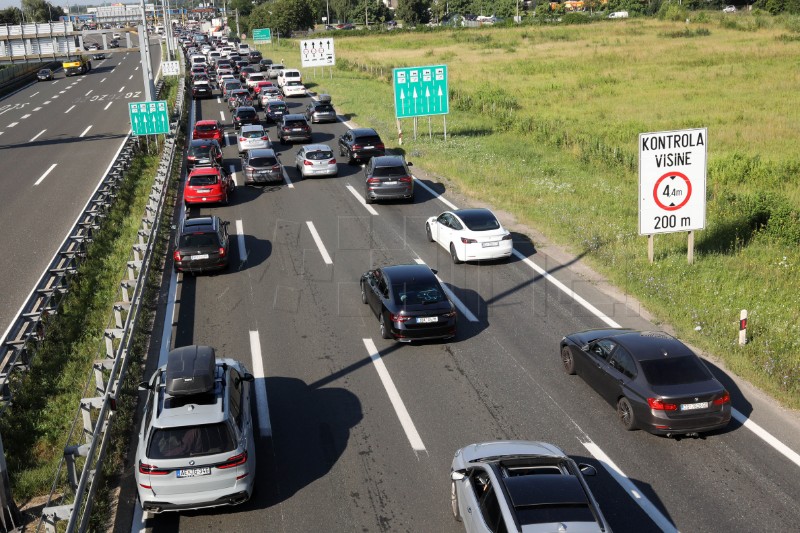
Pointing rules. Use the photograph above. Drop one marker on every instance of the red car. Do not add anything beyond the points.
(209, 129)
(207, 185)
(260, 85)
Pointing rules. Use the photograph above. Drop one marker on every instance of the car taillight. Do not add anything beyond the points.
(265, 138)
(399, 318)
(221, 251)
(468, 241)
(661, 405)
(379, 146)
(242, 139)
(507, 237)
(405, 179)
(373, 180)
(332, 162)
(191, 157)
(449, 314)
(153, 470)
(276, 168)
(176, 256)
(722, 400)
(308, 163)
(357, 147)
(236, 460)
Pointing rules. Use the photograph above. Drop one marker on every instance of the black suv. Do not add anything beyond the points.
(294, 128)
(264, 64)
(245, 115)
(360, 144)
(321, 110)
(274, 110)
(254, 56)
(201, 244)
(387, 177)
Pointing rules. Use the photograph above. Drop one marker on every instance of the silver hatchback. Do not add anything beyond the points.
(316, 160)
(261, 166)
(252, 138)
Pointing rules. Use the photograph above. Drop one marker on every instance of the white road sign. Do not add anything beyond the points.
(672, 181)
(317, 53)
(170, 68)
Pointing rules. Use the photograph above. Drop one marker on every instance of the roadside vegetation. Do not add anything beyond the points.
(544, 122)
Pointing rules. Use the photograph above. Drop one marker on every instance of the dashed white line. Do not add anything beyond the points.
(68, 110)
(219, 99)
(286, 178)
(232, 169)
(222, 116)
(12, 124)
(137, 68)
(34, 94)
(121, 89)
(104, 79)
(62, 92)
(90, 92)
(240, 240)
(46, 102)
(458, 303)
(55, 96)
(25, 116)
(264, 424)
(37, 136)
(85, 131)
(361, 200)
(394, 397)
(48, 171)
(130, 77)
(107, 106)
(36, 108)
(318, 240)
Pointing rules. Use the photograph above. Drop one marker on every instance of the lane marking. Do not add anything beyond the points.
(107, 106)
(55, 96)
(12, 124)
(48, 171)
(767, 437)
(68, 110)
(34, 94)
(286, 177)
(46, 102)
(232, 168)
(240, 240)
(624, 481)
(25, 116)
(261, 387)
(394, 397)
(361, 200)
(104, 79)
(37, 136)
(222, 116)
(320, 244)
(458, 303)
(219, 99)
(121, 89)
(36, 108)
(90, 92)
(85, 131)
(130, 77)
(435, 194)
(62, 92)
(137, 68)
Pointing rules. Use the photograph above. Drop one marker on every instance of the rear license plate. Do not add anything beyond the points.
(198, 257)
(368, 147)
(195, 472)
(490, 244)
(297, 129)
(390, 183)
(692, 406)
(427, 319)
(203, 190)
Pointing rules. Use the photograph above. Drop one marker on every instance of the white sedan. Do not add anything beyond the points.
(470, 235)
(293, 88)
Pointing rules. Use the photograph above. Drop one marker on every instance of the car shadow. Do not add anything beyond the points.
(738, 400)
(322, 137)
(257, 252)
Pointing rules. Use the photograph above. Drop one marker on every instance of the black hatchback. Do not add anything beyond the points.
(293, 127)
(201, 244)
(409, 302)
(360, 144)
(245, 115)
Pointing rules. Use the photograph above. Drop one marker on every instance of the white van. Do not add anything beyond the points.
(618, 15)
(289, 74)
(198, 59)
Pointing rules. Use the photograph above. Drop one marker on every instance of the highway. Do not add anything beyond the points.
(57, 140)
(363, 429)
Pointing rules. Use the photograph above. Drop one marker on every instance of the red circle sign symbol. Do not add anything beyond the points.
(672, 206)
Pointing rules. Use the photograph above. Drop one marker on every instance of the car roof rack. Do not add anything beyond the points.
(190, 370)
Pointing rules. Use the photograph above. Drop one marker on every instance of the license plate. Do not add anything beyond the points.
(203, 190)
(368, 147)
(692, 406)
(490, 244)
(427, 319)
(198, 257)
(195, 472)
(390, 183)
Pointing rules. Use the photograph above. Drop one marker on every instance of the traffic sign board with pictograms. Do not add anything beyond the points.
(420, 91)
(262, 36)
(149, 118)
(317, 53)
(170, 68)
(672, 181)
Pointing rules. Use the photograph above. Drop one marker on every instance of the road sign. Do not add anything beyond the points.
(170, 68)
(149, 118)
(262, 36)
(420, 91)
(317, 53)
(672, 181)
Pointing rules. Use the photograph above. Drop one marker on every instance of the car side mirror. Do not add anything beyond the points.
(143, 386)
(587, 470)
(248, 377)
(434, 271)
(409, 163)
(585, 347)
(457, 476)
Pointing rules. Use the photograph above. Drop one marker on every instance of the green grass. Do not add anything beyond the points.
(549, 132)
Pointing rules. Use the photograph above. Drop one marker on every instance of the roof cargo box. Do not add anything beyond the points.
(325, 98)
(190, 370)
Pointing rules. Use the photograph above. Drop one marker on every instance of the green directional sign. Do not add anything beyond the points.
(263, 35)
(149, 118)
(420, 91)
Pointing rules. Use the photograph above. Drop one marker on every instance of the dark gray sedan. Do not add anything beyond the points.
(655, 381)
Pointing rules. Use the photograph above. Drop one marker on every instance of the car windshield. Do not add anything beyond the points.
(675, 370)
(263, 162)
(479, 220)
(203, 179)
(413, 293)
(389, 172)
(199, 240)
(319, 155)
(190, 441)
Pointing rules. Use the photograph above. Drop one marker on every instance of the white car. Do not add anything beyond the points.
(470, 235)
(293, 88)
(729, 9)
(252, 137)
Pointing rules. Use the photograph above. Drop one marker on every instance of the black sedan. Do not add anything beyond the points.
(409, 302)
(655, 381)
(44, 75)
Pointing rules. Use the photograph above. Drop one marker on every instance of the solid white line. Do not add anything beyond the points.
(240, 239)
(261, 387)
(107, 106)
(121, 89)
(641, 500)
(68, 110)
(767, 437)
(169, 316)
(90, 92)
(25, 116)
(286, 178)
(461, 307)
(48, 171)
(394, 397)
(320, 244)
(85, 131)
(37, 136)
(361, 200)
(12, 124)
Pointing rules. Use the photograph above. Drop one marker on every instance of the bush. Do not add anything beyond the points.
(576, 18)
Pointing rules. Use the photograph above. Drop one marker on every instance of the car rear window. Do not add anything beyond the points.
(263, 162)
(253, 134)
(295, 123)
(368, 139)
(191, 441)
(325, 108)
(675, 370)
(415, 293)
(480, 221)
(246, 113)
(199, 240)
(200, 150)
(385, 172)
(319, 155)
(206, 127)
(203, 179)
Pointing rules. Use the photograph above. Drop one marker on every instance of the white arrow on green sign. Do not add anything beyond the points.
(149, 118)
(420, 91)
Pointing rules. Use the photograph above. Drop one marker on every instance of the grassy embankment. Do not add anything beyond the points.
(544, 124)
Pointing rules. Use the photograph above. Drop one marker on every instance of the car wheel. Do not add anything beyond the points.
(363, 294)
(625, 414)
(567, 360)
(454, 255)
(454, 501)
(428, 232)
(385, 332)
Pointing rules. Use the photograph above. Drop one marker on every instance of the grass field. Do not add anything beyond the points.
(544, 124)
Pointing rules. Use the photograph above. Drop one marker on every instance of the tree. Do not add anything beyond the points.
(40, 11)
(340, 9)
(283, 16)
(12, 15)
(413, 12)
(374, 12)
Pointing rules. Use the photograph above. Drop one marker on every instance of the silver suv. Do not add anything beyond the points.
(196, 447)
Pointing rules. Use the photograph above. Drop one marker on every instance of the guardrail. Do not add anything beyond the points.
(89, 436)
